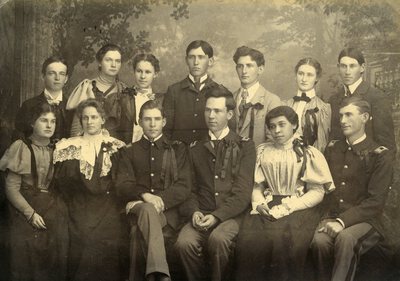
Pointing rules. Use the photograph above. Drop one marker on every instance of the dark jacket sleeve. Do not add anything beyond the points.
(126, 185)
(169, 110)
(378, 188)
(242, 186)
(180, 190)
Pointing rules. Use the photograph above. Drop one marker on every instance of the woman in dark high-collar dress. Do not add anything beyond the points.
(84, 176)
(38, 217)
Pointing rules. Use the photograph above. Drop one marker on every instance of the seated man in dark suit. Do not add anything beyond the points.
(154, 179)
(351, 65)
(185, 100)
(55, 75)
(362, 172)
(223, 170)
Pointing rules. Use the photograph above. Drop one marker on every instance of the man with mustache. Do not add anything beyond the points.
(351, 66)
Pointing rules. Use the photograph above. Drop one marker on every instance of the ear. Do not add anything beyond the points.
(211, 61)
(362, 68)
(365, 117)
(230, 114)
(164, 122)
(261, 69)
(140, 123)
(66, 79)
(103, 120)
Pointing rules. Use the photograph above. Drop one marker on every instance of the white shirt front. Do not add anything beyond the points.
(251, 92)
(202, 80)
(140, 99)
(299, 106)
(224, 133)
(354, 86)
(51, 99)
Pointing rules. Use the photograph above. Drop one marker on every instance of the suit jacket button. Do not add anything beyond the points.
(345, 166)
(216, 193)
(216, 177)
(341, 201)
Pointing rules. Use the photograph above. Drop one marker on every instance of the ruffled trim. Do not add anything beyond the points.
(71, 149)
(317, 170)
(17, 159)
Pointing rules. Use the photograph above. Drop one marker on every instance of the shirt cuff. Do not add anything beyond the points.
(341, 222)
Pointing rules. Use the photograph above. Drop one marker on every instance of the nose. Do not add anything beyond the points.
(48, 124)
(211, 114)
(142, 75)
(113, 63)
(277, 129)
(342, 119)
(347, 70)
(244, 69)
(196, 61)
(152, 123)
(303, 78)
(57, 76)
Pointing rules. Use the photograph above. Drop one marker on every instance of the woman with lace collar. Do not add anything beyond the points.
(146, 68)
(290, 181)
(84, 176)
(106, 88)
(38, 222)
(314, 114)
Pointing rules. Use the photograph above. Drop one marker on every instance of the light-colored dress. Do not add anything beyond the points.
(297, 178)
(35, 254)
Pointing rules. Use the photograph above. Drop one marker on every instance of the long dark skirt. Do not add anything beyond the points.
(39, 254)
(275, 250)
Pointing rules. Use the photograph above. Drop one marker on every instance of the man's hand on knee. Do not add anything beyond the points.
(332, 228)
(197, 218)
(155, 200)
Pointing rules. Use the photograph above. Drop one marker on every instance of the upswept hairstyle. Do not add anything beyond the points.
(309, 61)
(90, 103)
(285, 111)
(146, 57)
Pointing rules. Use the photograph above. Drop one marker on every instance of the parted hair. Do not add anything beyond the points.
(52, 59)
(352, 53)
(205, 46)
(151, 104)
(108, 47)
(34, 114)
(90, 103)
(146, 57)
(309, 61)
(221, 92)
(362, 105)
(285, 111)
(255, 55)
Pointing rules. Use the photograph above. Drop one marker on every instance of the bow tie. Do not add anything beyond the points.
(303, 97)
(53, 102)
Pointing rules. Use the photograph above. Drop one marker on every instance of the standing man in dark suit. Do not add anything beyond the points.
(55, 75)
(185, 100)
(153, 178)
(351, 65)
(252, 99)
(362, 172)
(223, 170)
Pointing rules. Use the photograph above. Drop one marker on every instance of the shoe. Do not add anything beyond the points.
(163, 277)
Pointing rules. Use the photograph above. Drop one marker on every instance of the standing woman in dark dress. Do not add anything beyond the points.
(146, 68)
(83, 174)
(38, 222)
(290, 180)
(105, 88)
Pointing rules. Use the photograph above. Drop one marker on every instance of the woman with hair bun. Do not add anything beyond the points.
(105, 88)
(314, 114)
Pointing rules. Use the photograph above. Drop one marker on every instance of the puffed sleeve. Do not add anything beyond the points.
(17, 162)
(317, 179)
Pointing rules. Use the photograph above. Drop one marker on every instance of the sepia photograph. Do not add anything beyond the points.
(199, 140)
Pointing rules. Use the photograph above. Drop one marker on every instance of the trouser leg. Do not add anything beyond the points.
(322, 247)
(350, 244)
(220, 246)
(189, 247)
(148, 230)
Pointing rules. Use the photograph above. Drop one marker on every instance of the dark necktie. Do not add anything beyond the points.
(245, 95)
(197, 85)
(303, 97)
(347, 92)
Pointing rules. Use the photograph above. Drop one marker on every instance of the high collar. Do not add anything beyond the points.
(310, 93)
(365, 144)
(353, 87)
(202, 79)
(187, 83)
(224, 133)
(159, 142)
(58, 97)
(360, 139)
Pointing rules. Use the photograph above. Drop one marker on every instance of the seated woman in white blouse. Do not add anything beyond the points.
(290, 181)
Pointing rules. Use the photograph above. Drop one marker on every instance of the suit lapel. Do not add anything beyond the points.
(259, 97)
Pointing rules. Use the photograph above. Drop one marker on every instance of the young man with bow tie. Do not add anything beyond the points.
(252, 99)
(184, 101)
(362, 173)
(55, 75)
(351, 66)
(223, 169)
(153, 179)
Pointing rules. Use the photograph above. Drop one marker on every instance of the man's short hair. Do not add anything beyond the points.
(52, 59)
(221, 92)
(255, 55)
(151, 104)
(352, 53)
(205, 46)
(362, 105)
